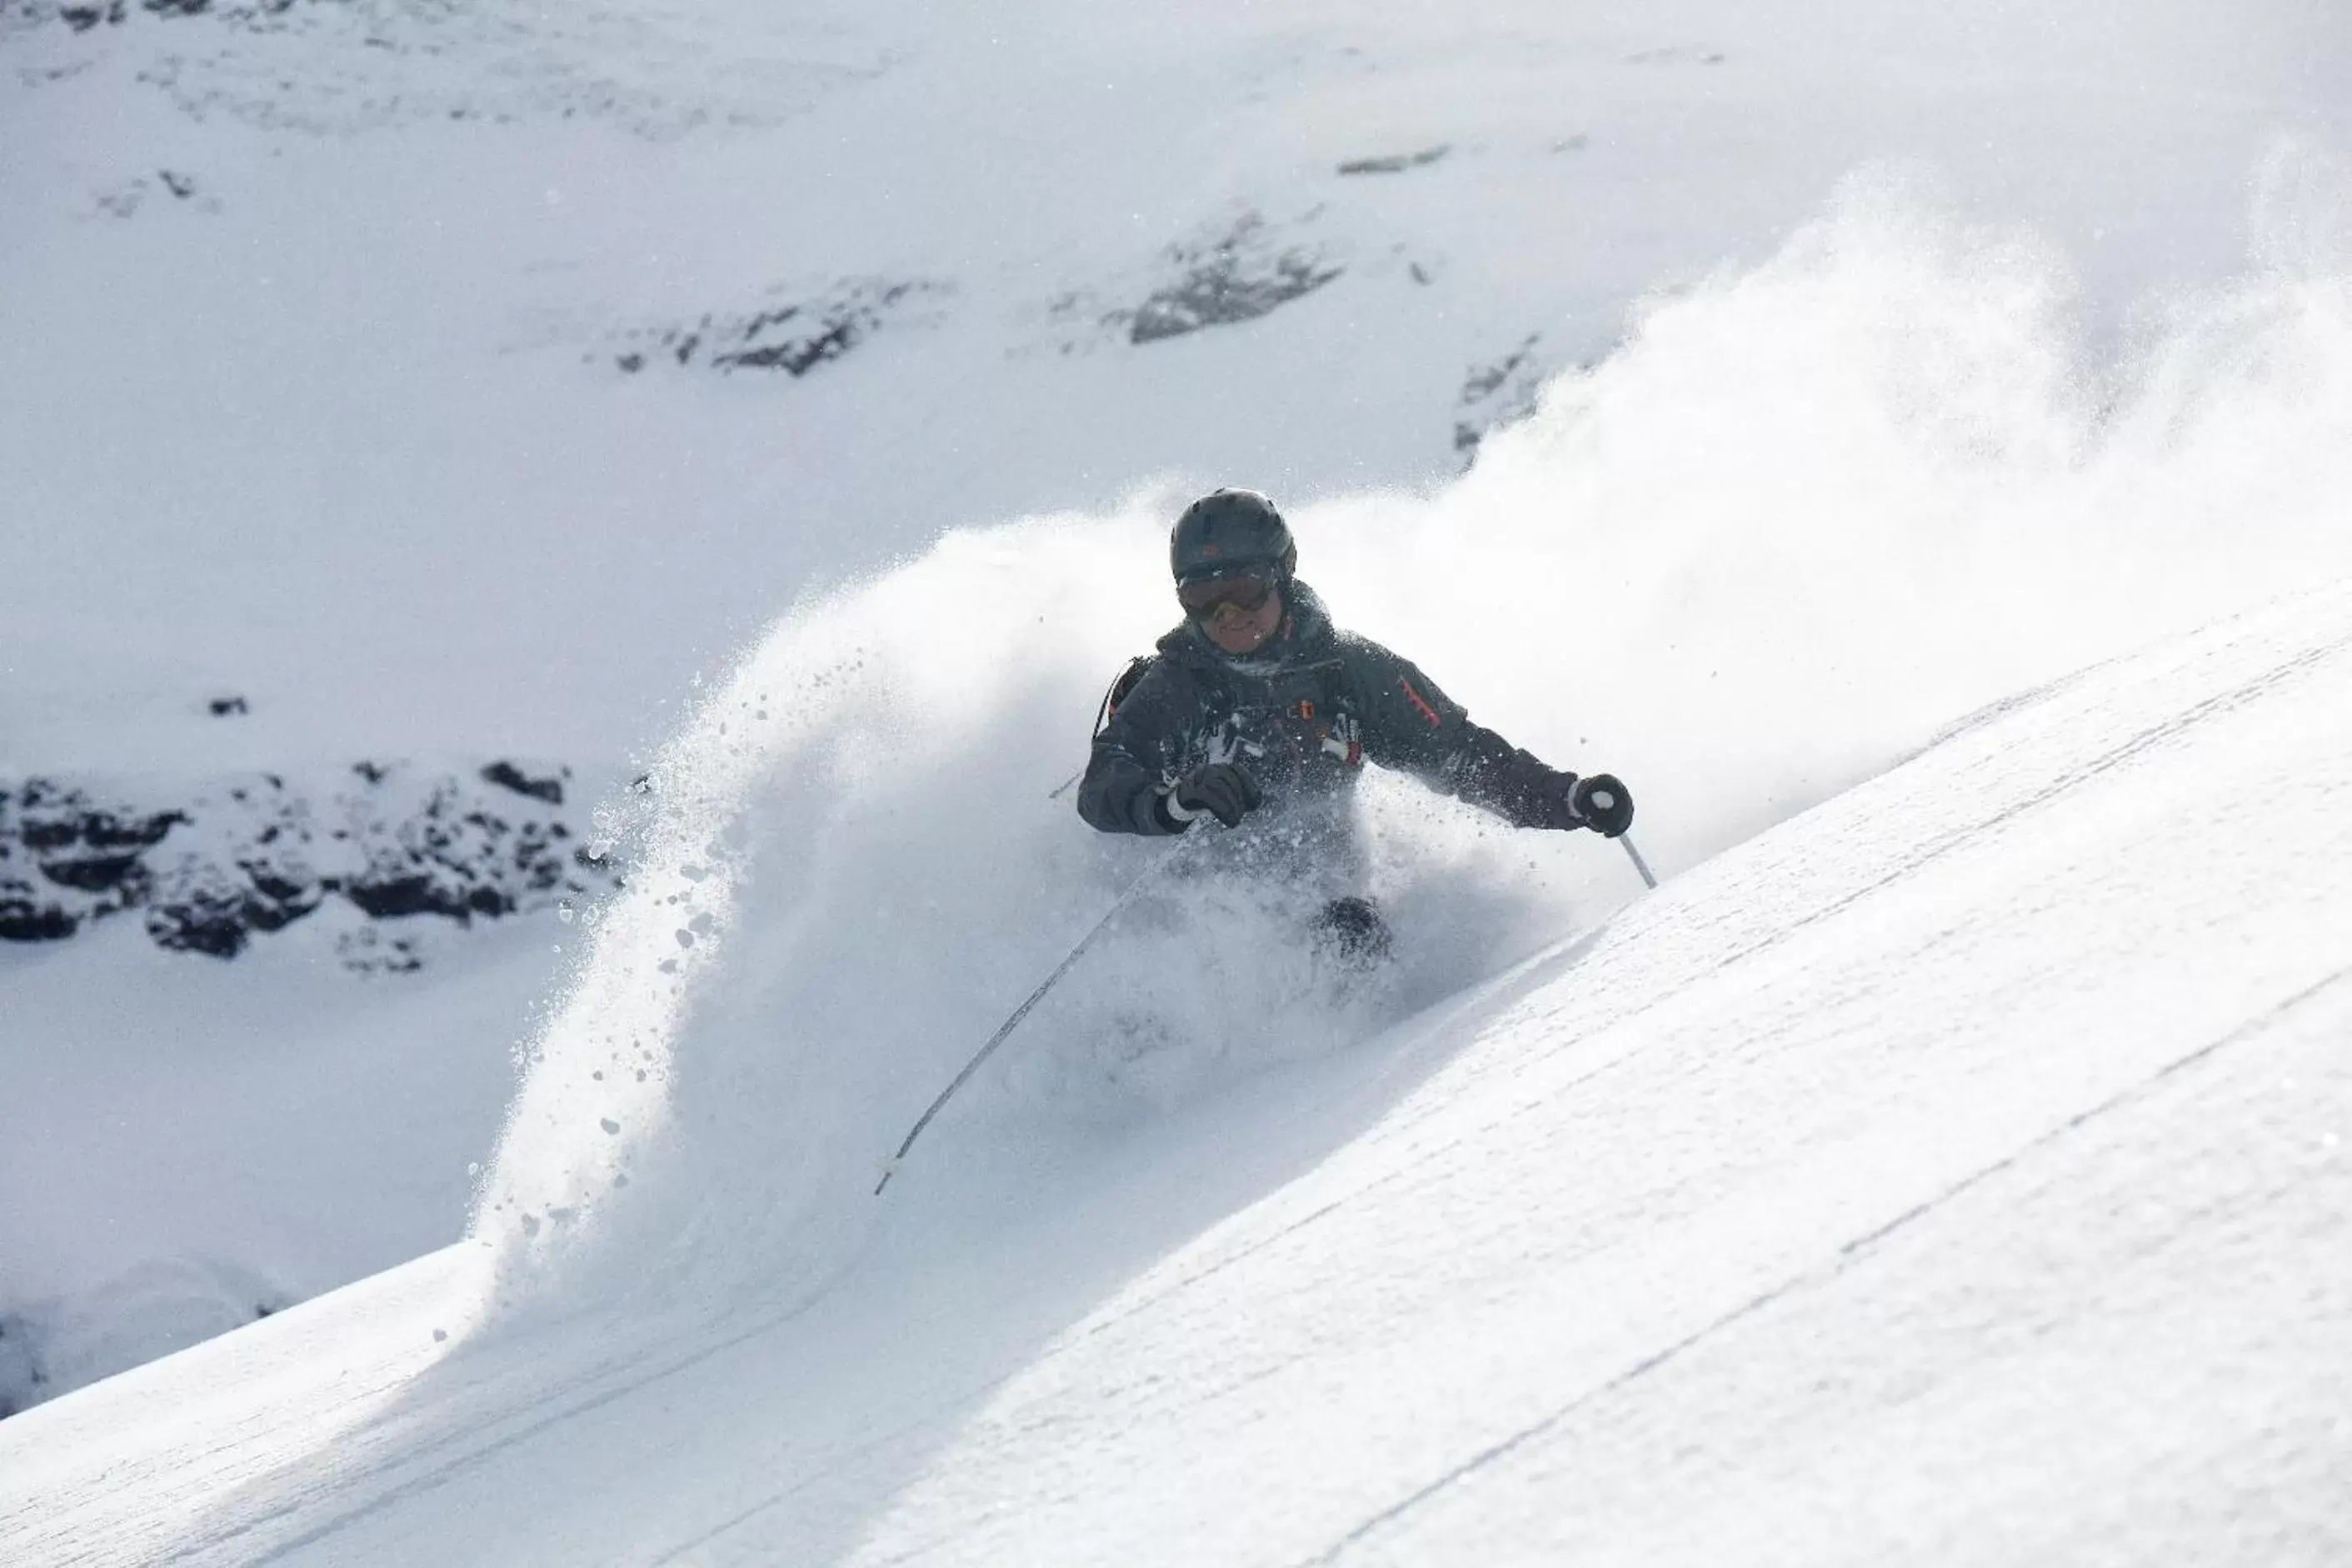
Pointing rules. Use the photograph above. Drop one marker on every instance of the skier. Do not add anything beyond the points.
(1257, 711)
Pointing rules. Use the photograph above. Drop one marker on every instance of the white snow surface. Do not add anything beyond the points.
(1945, 1165)
(1957, 1172)
(194, 1143)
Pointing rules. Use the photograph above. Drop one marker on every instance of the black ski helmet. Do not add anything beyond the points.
(1230, 531)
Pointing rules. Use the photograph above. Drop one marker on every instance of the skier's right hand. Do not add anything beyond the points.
(1602, 802)
(1224, 790)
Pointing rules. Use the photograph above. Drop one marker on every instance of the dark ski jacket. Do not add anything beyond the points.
(1303, 714)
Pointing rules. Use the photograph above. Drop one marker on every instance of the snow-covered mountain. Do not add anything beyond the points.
(348, 429)
(1738, 400)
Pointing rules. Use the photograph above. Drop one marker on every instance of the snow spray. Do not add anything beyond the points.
(1805, 518)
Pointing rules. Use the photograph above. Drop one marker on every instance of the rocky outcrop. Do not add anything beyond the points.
(126, 198)
(792, 337)
(1500, 392)
(1238, 276)
(250, 854)
(1394, 162)
(81, 15)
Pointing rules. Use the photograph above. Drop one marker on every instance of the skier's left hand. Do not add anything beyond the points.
(1602, 802)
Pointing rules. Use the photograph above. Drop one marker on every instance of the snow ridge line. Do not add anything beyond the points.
(438, 1474)
(1847, 1254)
(2215, 706)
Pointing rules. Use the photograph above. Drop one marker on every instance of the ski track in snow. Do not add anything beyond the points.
(1848, 1255)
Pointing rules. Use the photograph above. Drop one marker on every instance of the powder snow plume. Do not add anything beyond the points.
(1806, 517)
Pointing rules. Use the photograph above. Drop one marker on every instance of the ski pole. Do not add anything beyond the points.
(1005, 1029)
(1605, 800)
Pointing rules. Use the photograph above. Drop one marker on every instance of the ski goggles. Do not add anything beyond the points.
(1244, 591)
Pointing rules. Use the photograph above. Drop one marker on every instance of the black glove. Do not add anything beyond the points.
(1602, 803)
(1224, 790)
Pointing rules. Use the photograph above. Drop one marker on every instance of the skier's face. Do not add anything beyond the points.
(1238, 631)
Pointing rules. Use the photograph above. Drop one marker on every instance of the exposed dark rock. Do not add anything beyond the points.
(227, 707)
(104, 830)
(796, 356)
(549, 788)
(793, 337)
(1499, 394)
(23, 917)
(389, 898)
(93, 873)
(1238, 278)
(252, 854)
(206, 920)
(1395, 163)
(94, 852)
(368, 950)
(83, 15)
(273, 900)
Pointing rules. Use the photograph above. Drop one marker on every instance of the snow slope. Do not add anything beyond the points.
(1931, 355)
(1954, 1172)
